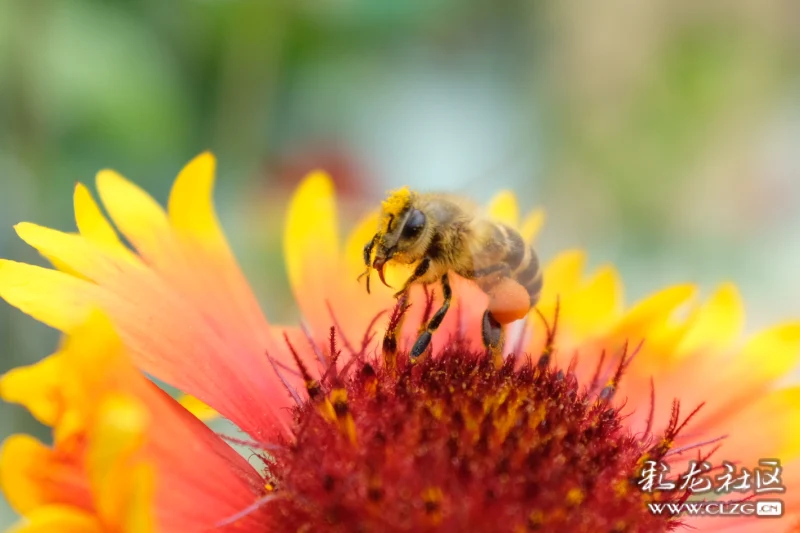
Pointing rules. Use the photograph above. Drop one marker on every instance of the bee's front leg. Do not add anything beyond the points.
(421, 270)
(367, 259)
(433, 324)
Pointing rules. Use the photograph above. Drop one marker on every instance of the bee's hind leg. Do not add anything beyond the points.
(493, 337)
(433, 324)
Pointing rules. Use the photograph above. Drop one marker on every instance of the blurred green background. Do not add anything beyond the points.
(662, 136)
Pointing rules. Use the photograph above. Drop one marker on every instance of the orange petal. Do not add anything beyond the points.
(128, 422)
(32, 475)
(208, 273)
(707, 376)
(154, 318)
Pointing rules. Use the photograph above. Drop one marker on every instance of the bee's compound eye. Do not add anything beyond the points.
(414, 223)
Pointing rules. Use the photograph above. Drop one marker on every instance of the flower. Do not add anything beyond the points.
(113, 432)
(349, 434)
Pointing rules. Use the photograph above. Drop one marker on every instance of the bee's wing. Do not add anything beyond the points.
(503, 208)
(489, 242)
(509, 253)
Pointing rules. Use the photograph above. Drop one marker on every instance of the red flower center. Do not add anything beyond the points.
(451, 443)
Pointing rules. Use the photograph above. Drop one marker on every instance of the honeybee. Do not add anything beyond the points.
(445, 233)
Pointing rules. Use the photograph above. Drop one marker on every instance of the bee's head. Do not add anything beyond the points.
(401, 230)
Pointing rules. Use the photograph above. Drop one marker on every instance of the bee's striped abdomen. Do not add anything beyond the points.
(515, 248)
(529, 274)
(522, 262)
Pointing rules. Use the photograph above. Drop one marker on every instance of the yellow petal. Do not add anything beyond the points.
(784, 405)
(92, 348)
(716, 323)
(55, 298)
(139, 516)
(140, 219)
(596, 305)
(59, 389)
(503, 208)
(34, 386)
(91, 356)
(354, 248)
(19, 456)
(198, 408)
(761, 425)
(562, 275)
(62, 266)
(191, 201)
(661, 339)
(118, 433)
(91, 222)
(92, 226)
(58, 519)
(654, 311)
(310, 237)
(531, 225)
(69, 249)
(772, 353)
(216, 280)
